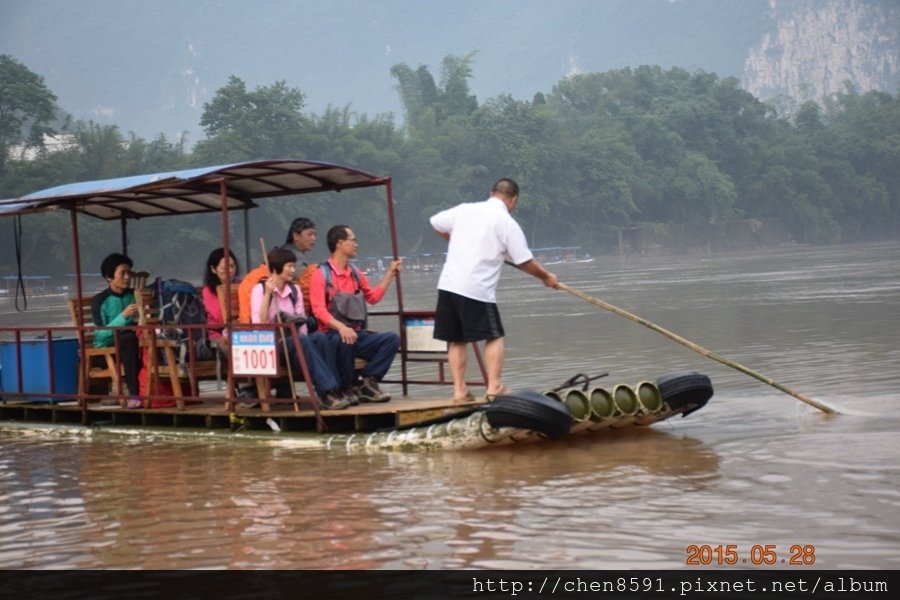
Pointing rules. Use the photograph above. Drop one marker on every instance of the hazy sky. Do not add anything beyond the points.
(148, 66)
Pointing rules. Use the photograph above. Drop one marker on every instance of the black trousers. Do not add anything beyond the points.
(130, 359)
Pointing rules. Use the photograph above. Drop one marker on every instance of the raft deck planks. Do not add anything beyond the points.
(399, 412)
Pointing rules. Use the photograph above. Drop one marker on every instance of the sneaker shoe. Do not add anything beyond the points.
(249, 394)
(134, 403)
(282, 390)
(247, 391)
(369, 391)
(350, 396)
(333, 401)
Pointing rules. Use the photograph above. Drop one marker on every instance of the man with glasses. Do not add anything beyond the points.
(339, 293)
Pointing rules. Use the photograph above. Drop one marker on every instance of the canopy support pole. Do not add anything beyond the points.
(226, 246)
(247, 265)
(124, 227)
(79, 332)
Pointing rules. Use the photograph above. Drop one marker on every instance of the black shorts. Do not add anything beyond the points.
(461, 319)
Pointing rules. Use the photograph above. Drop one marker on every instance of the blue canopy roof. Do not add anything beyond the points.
(192, 190)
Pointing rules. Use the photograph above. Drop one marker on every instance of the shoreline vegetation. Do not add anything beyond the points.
(639, 160)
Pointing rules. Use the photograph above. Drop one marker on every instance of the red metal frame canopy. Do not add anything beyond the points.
(223, 188)
(208, 189)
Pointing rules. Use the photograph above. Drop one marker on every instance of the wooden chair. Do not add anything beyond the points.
(220, 292)
(110, 371)
(149, 316)
(417, 345)
(139, 280)
(263, 384)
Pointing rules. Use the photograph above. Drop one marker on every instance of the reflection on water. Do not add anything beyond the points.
(582, 497)
(754, 467)
(242, 506)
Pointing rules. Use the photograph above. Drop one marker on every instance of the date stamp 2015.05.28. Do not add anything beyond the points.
(756, 555)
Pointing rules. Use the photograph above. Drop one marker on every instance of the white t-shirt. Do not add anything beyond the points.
(482, 236)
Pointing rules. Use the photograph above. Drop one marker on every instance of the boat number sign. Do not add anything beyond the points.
(420, 335)
(253, 353)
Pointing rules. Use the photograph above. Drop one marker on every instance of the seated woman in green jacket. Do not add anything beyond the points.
(116, 307)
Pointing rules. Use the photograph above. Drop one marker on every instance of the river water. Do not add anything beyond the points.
(755, 468)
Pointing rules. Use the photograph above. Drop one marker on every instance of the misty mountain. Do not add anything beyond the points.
(150, 66)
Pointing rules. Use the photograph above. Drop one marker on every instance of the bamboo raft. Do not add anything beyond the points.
(577, 408)
(402, 424)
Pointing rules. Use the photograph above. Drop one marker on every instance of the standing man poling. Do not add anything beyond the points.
(482, 236)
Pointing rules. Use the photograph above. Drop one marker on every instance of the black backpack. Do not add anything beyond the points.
(180, 304)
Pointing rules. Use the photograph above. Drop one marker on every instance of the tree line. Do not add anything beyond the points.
(596, 154)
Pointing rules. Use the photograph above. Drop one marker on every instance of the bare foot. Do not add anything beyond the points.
(468, 397)
(500, 391)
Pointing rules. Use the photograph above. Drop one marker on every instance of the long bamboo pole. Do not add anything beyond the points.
(697, 348)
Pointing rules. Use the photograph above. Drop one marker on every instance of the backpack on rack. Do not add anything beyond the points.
(180, 304)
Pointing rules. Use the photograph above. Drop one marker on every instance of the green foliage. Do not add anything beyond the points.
(425, 105)
(267, 122)
(26, 107)
(645, 147)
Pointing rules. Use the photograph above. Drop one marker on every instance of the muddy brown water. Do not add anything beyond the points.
(756, 467)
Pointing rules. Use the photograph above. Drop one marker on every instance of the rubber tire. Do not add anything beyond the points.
(685, 391)
(532, 411)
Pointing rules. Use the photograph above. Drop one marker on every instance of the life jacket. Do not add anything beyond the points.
(258, 274)
(245, 288)
(303, 282)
